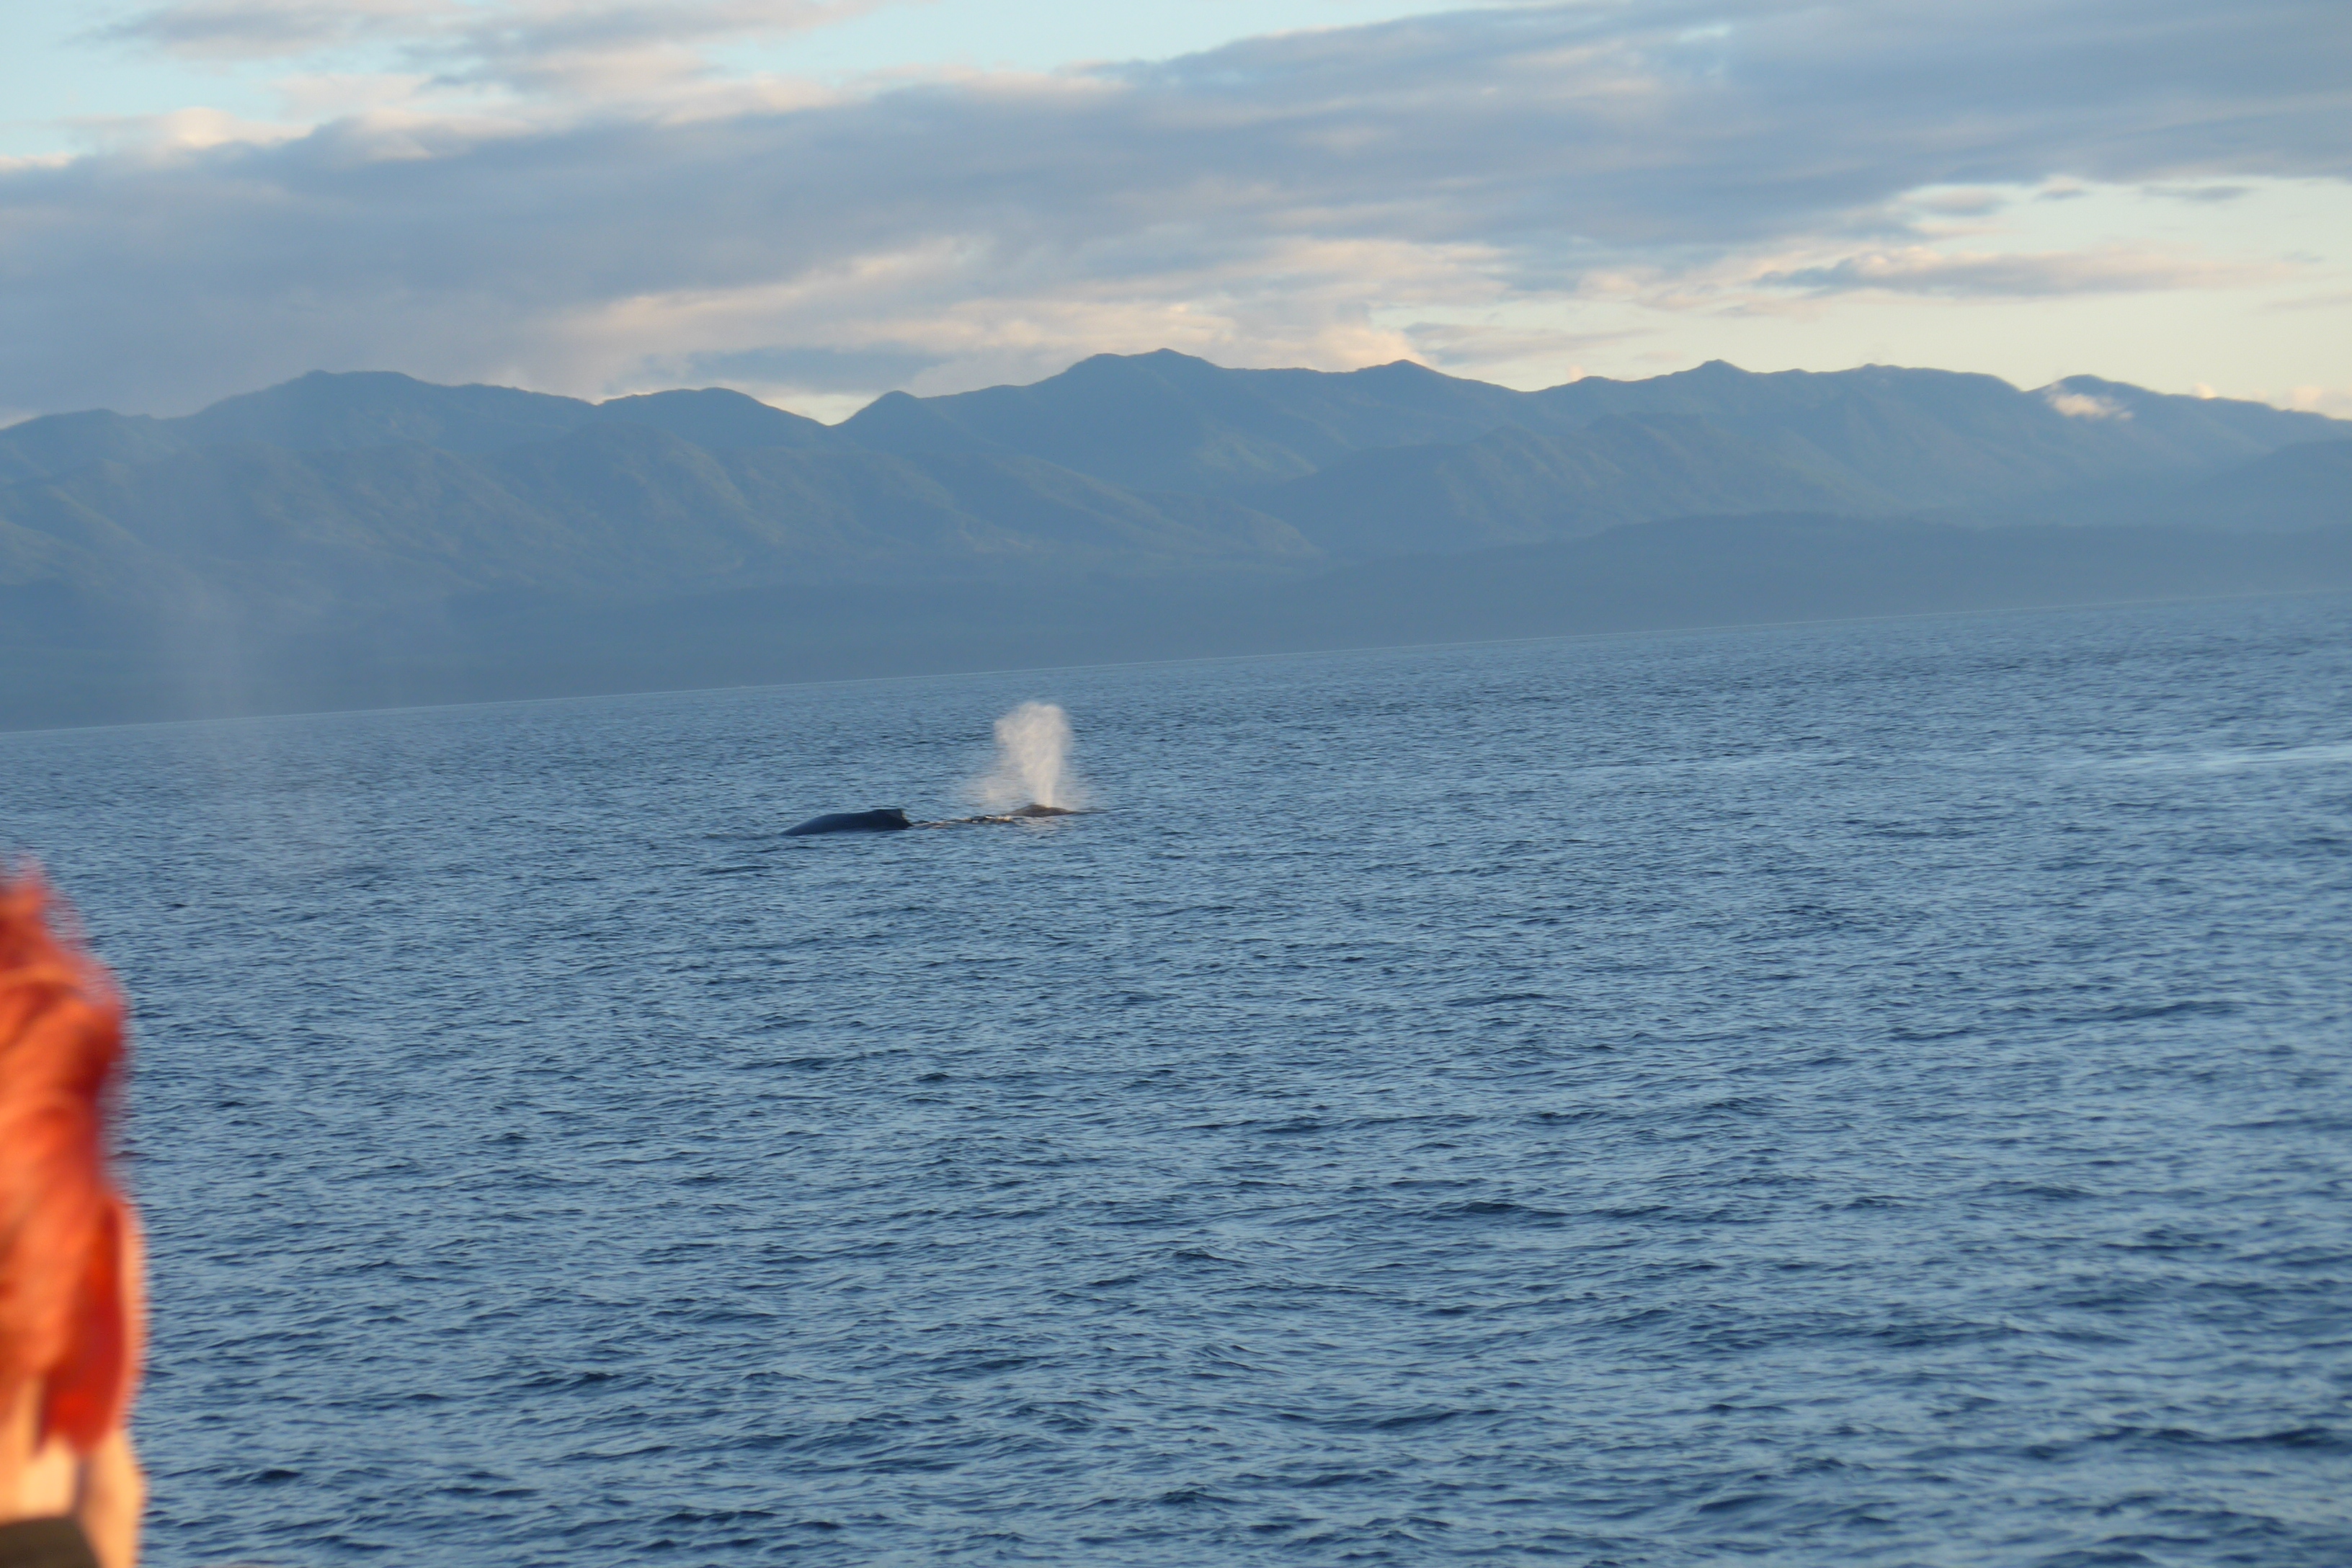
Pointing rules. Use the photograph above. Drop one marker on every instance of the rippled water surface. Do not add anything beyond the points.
(1857, 1094)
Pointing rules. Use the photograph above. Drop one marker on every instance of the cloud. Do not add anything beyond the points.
(2335, 402)
(2083, 406)
(2205, 194)
(1961, 203)
(560, 46)
(181, 130)
(2333, 301)
(1918, 269)
(269, 29)
(1273, 201)
(817, 370)
(1465, 346)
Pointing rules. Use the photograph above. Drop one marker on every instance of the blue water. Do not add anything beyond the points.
(1850, 1094)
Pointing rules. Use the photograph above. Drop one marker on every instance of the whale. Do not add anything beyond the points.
(882, 819)
(1027, 814)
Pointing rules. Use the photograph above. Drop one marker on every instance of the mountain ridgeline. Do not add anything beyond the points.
(359, 539)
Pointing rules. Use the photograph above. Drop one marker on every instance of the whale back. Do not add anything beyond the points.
(882, 819)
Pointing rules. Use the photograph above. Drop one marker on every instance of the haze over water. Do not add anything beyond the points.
(1857, 1094)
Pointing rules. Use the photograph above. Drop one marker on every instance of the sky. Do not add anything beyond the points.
(818, 201)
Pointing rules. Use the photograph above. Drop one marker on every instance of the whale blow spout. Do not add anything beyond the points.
(1032, 764)
(883, 819)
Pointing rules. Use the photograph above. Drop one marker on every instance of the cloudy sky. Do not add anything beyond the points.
(819, 200)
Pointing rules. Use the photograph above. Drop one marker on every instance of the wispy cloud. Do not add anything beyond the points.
(276, 29)
(2335, 402)
(1919, 269)
(2084, 404)
(2205, 194)
(559, 46)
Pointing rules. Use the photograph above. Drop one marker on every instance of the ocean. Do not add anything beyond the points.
(1867, 1093)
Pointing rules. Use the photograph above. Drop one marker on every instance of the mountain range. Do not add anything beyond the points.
(350, 539)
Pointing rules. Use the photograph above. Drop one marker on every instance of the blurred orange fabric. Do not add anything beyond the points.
(67, 1316)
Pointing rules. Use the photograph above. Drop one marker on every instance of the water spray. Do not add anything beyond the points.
(1032, 775)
